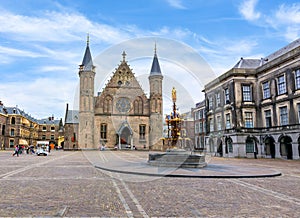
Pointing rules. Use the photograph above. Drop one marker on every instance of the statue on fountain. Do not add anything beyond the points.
(174, 157)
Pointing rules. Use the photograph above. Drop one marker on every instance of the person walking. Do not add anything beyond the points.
(16, 151)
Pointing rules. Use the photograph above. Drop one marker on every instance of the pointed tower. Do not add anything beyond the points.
(86, 101)
(156, 103)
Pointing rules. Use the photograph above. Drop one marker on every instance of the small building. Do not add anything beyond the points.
(71, 129)
(198, 113)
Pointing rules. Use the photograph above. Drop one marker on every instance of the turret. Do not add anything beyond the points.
(86, 101)
(156, 103)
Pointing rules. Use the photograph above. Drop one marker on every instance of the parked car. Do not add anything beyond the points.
(42, 148)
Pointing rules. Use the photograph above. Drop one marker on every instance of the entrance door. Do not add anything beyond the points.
(286, 147)
(270, 146)
(125, 138)
(220, 148)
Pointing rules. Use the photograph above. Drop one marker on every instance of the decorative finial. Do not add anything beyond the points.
(88, 39)
(124, 55)
(155, 48)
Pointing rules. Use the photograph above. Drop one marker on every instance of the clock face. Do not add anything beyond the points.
(123, 105)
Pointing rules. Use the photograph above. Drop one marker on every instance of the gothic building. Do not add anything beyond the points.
(253, 110)
(121, 116)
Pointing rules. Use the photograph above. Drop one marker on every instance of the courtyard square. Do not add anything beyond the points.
(69, 184)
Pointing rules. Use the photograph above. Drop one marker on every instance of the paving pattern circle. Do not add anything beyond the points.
(130, 162)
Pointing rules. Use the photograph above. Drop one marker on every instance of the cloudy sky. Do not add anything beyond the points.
(43, 42)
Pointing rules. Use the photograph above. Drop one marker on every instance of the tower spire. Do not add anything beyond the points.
(124, 56)
(87, 62)
(155, 69)
(88, 39)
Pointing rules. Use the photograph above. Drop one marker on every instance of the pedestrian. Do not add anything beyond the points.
(31, 149)
(16, 151)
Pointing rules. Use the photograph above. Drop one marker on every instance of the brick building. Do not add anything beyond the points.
(19, 128)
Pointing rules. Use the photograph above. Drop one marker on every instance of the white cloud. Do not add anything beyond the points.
(284, 20)
(247, 9)
(288, 17)
(41, 97)
(288, 14)
(57, 27)
(176, 4)
(18, 52)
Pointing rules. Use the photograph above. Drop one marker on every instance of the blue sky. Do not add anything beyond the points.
(42, 42)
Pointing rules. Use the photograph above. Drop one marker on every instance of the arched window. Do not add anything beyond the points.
(138, 106)
(107, 106)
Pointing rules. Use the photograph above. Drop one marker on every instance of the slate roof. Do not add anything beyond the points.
(48, 121)
(72, 117)
(248, 63)
(155, 69)
(18, 111)
(87, 61)
(2, 109)
(284, 50)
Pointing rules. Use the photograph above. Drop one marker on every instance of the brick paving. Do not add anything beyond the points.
(68, 184)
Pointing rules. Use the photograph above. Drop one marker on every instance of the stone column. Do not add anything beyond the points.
(295, 151)
(277, 150)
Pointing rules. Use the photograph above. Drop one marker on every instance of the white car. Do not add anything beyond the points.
(42, 150)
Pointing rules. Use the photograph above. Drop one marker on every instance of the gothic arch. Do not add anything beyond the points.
(108, 104)
(138, 105)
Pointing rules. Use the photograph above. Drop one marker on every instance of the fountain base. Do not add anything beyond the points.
(177, 158)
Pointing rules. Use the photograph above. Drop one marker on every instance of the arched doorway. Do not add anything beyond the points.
(286, 149)
(251, 145)
(220, 147)
(228, 145)
(125, 137)
(270, 146)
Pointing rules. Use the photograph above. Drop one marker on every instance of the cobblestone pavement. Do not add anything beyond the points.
(68, 184)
